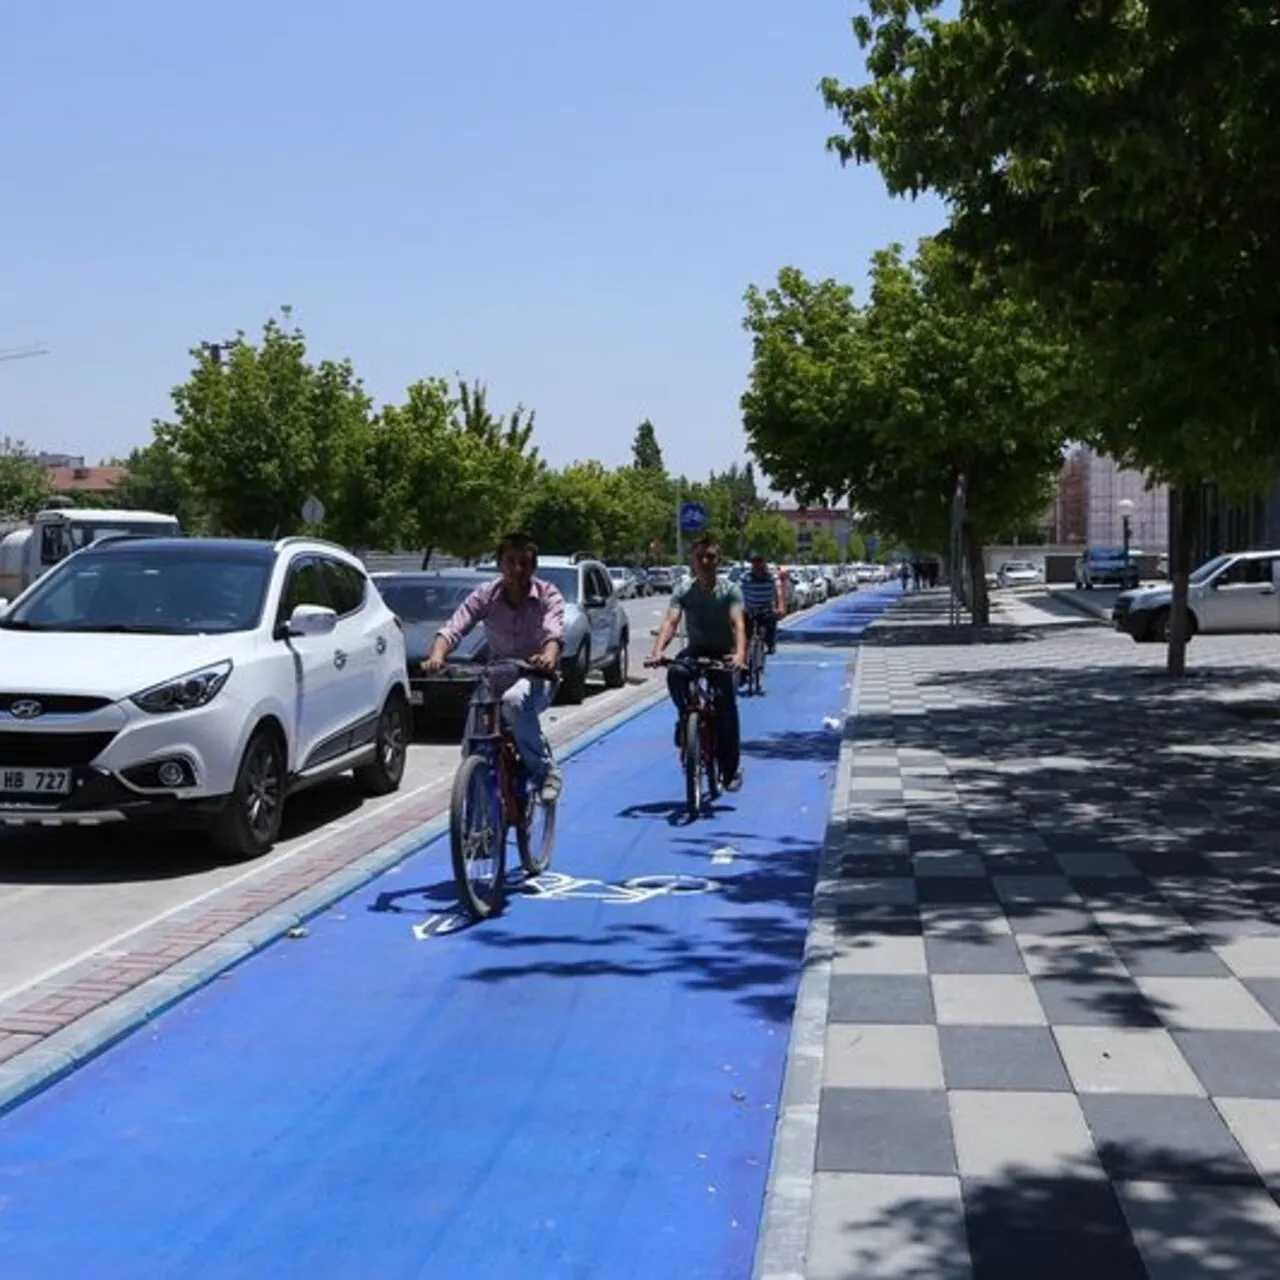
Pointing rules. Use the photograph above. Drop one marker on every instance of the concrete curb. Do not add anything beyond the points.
(58, 1054)
(1100, 613)
(783, 1243)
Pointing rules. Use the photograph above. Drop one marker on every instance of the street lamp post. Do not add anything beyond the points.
(1126, 512)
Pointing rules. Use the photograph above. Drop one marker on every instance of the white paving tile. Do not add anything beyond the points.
(875, 1056)
(998, 1133)
(982, 999)
(1125, 1060)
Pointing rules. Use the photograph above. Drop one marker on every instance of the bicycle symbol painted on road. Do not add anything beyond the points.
(556, 886)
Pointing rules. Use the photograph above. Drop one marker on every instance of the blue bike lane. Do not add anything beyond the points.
(584, 1087)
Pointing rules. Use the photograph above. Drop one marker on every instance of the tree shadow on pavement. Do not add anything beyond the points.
(1124, 827)
(795, 744)
(754, 955)
(1193, 1214)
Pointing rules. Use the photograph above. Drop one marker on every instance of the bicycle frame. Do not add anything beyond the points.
(487, 736)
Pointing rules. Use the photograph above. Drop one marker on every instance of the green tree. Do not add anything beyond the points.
(580, 508)
(646, 453)
(943, 381)
(155, 480)
(24, 483)
(823, 548)
(257, 428)
(771, 535)
(1117, 163)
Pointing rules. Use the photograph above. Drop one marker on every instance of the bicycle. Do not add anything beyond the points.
(755, 652)
(493, 793)
(698, 731)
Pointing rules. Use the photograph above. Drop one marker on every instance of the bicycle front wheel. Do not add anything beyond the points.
(477, 838)
(536, 834)
(693, 763)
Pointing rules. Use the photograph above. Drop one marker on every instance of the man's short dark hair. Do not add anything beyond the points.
(516, 541)
(704, 542)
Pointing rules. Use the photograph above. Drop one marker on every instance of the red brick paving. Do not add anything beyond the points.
(158, 949)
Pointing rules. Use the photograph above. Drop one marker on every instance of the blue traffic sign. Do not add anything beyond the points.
(693, 516)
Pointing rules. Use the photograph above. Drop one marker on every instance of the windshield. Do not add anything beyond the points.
(58, 541)
(426, 601)
(156, 592)
(1209, 568)
(1019, 566)
(562, 576)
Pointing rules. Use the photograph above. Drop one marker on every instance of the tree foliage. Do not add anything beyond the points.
(942, 380)
(24, 483)
(773, 536)
(1119, 164)
(646, 453)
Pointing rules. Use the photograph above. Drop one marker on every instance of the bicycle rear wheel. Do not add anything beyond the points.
(693, 763)
(477, 838)
(535, 834)
(756, 668)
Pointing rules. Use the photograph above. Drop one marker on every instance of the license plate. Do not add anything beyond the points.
(416, 697)
(35, 782)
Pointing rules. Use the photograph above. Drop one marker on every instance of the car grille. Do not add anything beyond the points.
(51, 750)
(56, 704)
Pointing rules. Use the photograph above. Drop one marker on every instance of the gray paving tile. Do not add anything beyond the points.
(1050, 920)
(884, 1131)
(1018, 1058)
(957, 890)
(948, 862)
(1032, 1133)
(1194, 1233)
(1095, 1001)
(1046, 890)
(1019, 862)
(986, 999)
(1255, 1122)
(869, 1226)
(877, 921)
(1234, 1064)
(1127, 1060)
(1206, 1004)
(964, 921)
(1164, 1139)
(861, 865)
(1267, 992)
(1182, 955)
(862, 1056)
(885, 998)
(877, 891)
(1099, 866)
(990, 953)
(1048, 1228)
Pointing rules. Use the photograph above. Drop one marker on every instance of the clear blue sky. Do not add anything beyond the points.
(565, 199)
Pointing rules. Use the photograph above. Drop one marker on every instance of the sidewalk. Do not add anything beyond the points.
(1038, 1034)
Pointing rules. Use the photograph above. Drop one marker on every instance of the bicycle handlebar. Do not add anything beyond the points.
(470, 667)
(706, 664)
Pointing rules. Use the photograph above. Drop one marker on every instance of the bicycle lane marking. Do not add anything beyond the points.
(570, 1088)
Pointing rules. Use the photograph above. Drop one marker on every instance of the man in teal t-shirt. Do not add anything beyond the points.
(716, 628)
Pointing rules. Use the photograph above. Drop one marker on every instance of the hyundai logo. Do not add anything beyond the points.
(26, 709)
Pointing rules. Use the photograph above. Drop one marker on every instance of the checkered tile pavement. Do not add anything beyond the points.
(1053, 1037)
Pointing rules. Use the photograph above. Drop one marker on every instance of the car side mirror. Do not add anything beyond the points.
(308, 620)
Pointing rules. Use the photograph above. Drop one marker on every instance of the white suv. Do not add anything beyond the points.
(200, 679)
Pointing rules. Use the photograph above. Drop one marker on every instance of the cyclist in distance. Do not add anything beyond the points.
(762, 599)
(716, 628)
(524, 621)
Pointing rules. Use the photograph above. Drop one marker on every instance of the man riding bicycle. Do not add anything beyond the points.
(762, 600)
(524, 621)
(714, 621)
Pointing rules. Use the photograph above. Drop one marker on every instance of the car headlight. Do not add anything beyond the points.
(184, 693)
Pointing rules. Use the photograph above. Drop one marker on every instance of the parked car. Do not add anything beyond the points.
(198, 679)
(1106, 567)
(624, 582)
(662, 580)
(1018, 573)
(597, 634)
(1228, 594)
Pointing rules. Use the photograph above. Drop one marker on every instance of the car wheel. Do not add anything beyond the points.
(615, 674)
(249, 822)
(383, 774)
(574, 686)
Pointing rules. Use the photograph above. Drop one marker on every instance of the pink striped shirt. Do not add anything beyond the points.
(518, 632)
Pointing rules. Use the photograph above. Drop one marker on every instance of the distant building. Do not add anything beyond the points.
(809, 520)
(1086, 505)
(76, 480)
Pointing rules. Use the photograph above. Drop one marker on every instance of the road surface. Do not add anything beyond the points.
(586, 1086)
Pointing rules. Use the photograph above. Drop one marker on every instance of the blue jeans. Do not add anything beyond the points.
(522, 707)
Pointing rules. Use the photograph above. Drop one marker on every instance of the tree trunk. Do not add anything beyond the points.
(1188, 503)
(426, 558)
(976, 561)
